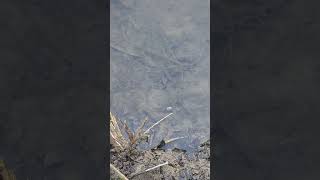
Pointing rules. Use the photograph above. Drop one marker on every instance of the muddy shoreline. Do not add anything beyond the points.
(178, 164)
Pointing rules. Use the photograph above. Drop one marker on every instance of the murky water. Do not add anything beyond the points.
(160, 59)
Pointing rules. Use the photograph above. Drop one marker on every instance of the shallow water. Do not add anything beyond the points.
(160, 61)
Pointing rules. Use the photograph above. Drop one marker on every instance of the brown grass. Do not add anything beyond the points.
(118, 139)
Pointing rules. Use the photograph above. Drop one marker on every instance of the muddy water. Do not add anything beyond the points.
(160, 63)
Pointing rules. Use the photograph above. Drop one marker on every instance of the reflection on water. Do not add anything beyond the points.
(160, 64)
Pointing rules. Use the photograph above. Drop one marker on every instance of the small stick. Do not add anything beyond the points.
(118, 172)
(173, 139)
(147, 131)
(150, 169)
(156, 166)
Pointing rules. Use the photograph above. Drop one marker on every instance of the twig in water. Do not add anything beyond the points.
(147, 131)
(173, 139)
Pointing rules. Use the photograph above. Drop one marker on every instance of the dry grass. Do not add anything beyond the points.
(5, 173)
(118, 128)
(118, 139)
(120, 143)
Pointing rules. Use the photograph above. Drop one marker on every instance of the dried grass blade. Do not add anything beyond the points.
(147, 131)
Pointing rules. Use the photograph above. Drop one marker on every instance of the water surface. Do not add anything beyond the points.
(160, 64)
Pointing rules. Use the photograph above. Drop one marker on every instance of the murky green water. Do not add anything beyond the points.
(160, 61)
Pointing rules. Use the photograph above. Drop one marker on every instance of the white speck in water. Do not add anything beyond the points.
(169, 108)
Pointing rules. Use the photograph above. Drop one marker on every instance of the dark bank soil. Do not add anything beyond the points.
(180, 164)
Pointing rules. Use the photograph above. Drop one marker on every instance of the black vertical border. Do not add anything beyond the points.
(107, 43)
(295, 111)
(53, 52)
(212, 94)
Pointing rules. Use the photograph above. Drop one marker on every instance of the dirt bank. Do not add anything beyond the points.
(160, 162)
(176, 163)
